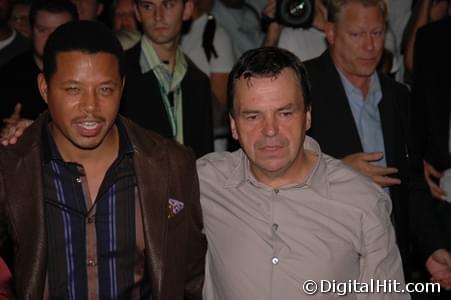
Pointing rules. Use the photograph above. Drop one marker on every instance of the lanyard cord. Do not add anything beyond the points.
(170, 106)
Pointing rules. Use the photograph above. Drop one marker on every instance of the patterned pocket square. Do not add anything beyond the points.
(174, 207)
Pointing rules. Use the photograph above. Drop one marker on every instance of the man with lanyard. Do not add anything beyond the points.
(165, 91)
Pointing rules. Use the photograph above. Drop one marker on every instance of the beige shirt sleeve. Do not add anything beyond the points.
(380, 263)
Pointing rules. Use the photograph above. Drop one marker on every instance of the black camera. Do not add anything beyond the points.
(295, 13)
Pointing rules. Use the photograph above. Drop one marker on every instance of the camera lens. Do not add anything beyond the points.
(295, 13)
(296, 8)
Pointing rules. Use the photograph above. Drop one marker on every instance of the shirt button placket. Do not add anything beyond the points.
(275, 227)
(92, 263)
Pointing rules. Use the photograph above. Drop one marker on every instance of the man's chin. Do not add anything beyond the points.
(271, 164)
(87, 143)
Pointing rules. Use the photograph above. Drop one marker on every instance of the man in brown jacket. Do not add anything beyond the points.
(91, 205)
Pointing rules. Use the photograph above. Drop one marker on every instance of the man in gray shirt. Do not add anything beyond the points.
(279, 213)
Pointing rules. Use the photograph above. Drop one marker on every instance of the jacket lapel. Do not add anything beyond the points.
(151, 168)
(341, 110)
(387, 112)
(334, 107)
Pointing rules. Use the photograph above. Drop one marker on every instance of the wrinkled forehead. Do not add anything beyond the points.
(282, 85)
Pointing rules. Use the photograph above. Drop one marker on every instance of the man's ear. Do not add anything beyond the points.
(188, 10)
(308, 119)
(43, 87)
(137, 14)
(233, 127)
(329, 30)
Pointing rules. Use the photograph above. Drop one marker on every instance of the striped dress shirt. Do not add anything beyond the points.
(95, 248)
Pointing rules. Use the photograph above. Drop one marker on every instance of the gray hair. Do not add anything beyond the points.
(335, 8)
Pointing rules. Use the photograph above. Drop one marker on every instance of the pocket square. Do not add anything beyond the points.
(174, 207)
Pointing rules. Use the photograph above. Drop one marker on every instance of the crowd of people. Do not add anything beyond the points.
(199, 149)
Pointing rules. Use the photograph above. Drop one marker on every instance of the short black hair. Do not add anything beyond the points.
(267, 62)
(53, 6)
(89, 37)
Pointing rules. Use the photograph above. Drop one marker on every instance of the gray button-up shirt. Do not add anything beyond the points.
(264, 243)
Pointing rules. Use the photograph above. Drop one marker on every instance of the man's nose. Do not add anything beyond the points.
(270, 126)
(369, 42)
(159, 12)
(89, 103)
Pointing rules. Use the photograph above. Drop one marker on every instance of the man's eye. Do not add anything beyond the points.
(146, 6)
(286, 113)
(106, 91)
(251, 117)
(169, 4)
(72, 90)
(378, 33)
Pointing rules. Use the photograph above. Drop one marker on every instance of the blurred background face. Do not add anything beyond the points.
(46, 22)
(162, 19)
(20, 19)
(357, 39)
(5, 11)
(124, 15)
(439, 10)
(88, 9)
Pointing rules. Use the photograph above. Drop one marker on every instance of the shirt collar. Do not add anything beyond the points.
(316, 179)
(149, 59)
(374, 92)
(51, 152)
(9, 40)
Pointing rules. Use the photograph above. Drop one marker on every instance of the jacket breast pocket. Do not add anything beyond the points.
(175, 220)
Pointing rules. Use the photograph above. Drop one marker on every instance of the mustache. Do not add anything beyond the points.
(88, 119)
(271, 142)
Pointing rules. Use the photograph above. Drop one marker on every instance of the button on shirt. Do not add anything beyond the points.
(265, 243)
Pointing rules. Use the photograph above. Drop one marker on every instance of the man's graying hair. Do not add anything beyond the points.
(267, 62)
(335, 7)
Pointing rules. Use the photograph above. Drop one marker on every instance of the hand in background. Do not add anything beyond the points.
(14, 127)
(432, 175)
(274, 28)
(439, 266)
(362, 162)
